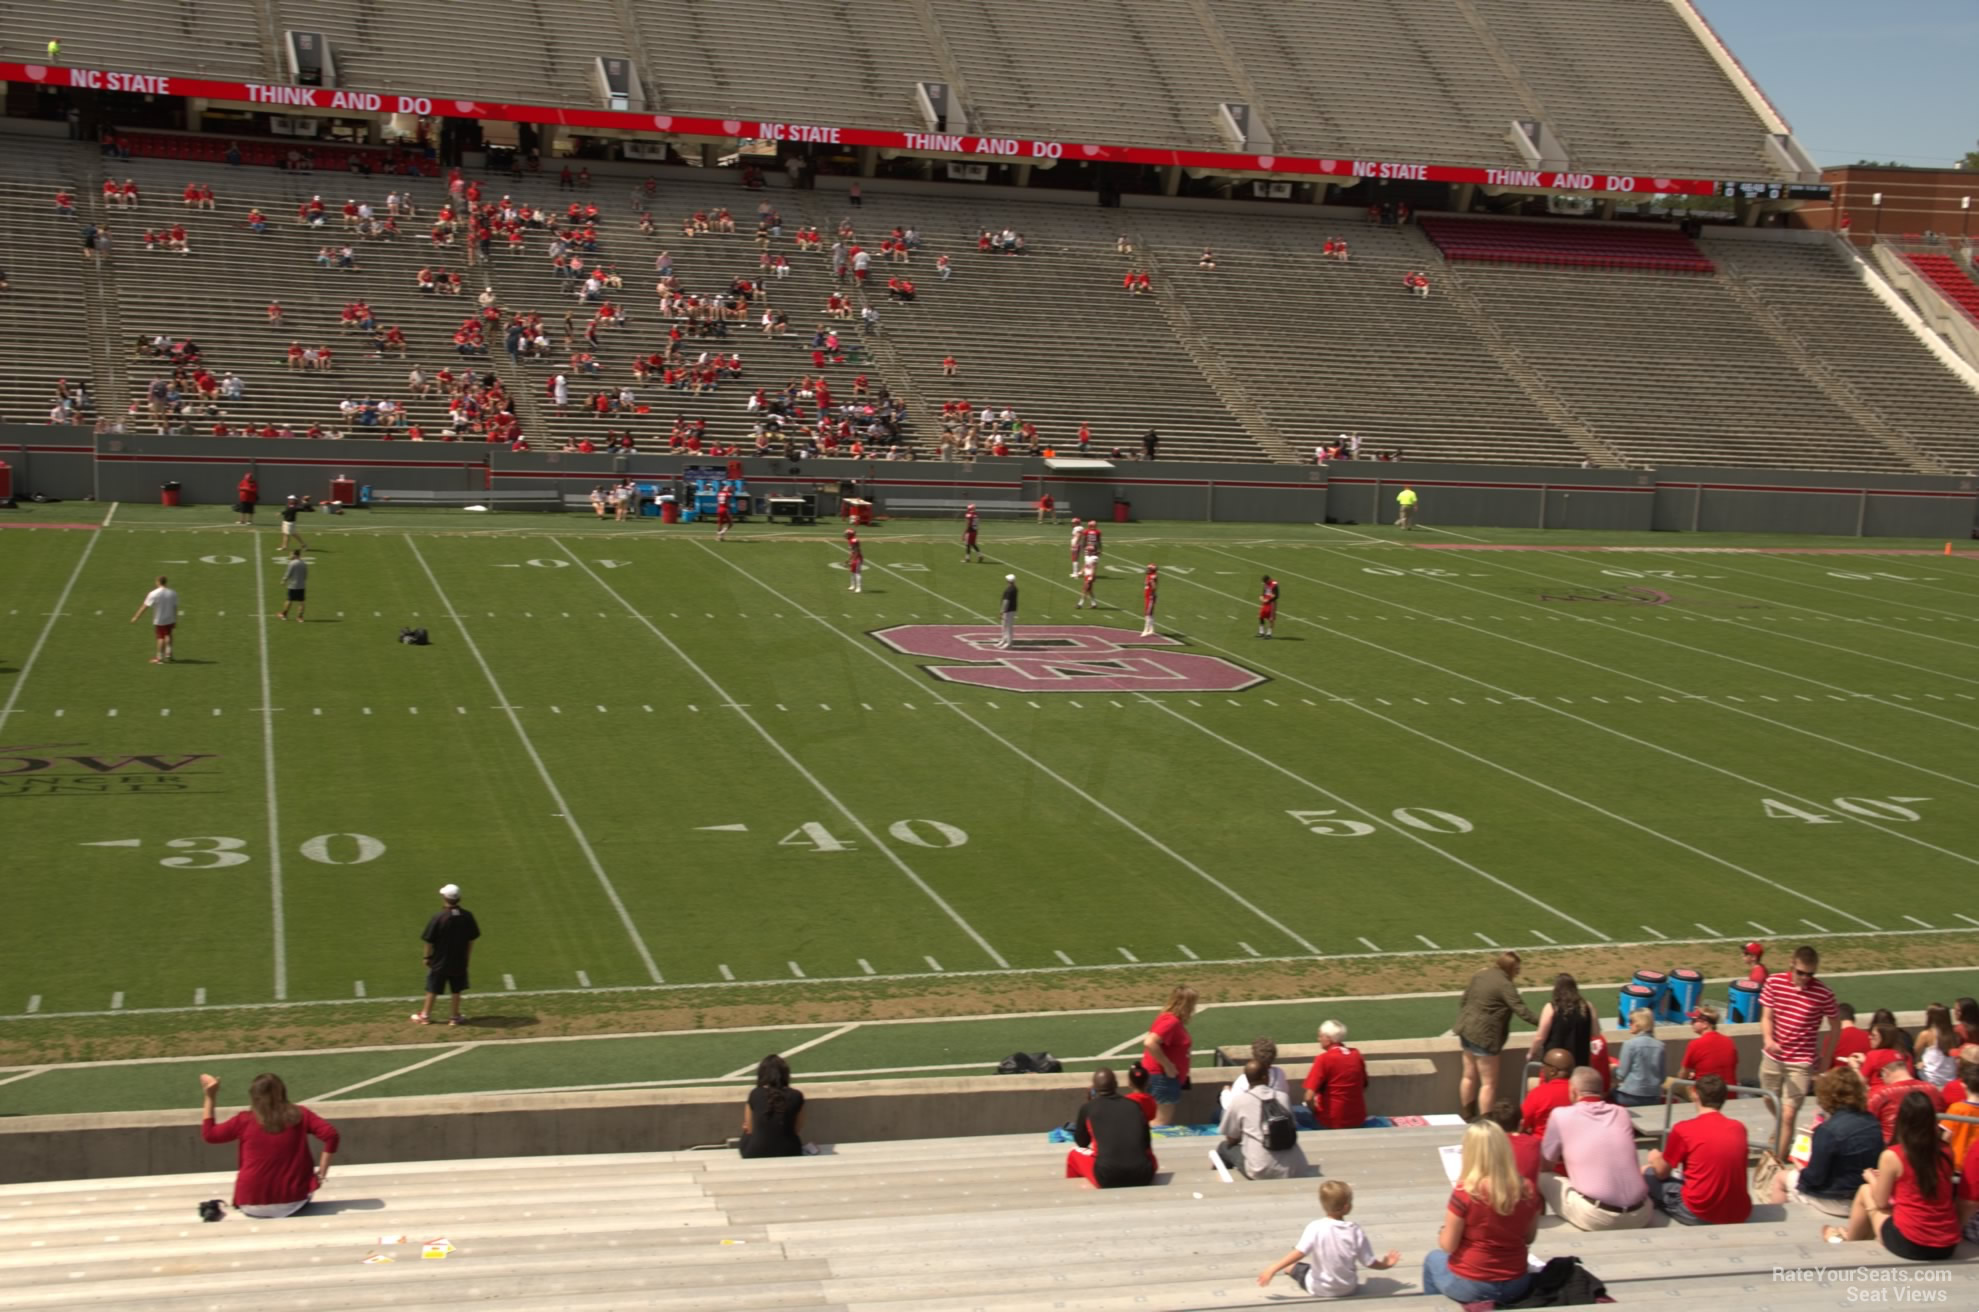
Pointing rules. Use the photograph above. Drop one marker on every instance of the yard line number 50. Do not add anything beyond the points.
(1329, 825)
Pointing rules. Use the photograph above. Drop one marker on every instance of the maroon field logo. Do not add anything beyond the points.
(1066, 658)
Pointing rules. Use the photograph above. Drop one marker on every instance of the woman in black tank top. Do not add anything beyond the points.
(1567, 1022)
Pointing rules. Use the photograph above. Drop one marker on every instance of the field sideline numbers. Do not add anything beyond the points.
(920, 833)
(1328, 825)
(1867, 808)
(223, 560)
(213, 851)
(1429, 572)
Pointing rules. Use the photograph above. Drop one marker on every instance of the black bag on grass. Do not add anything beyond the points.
(413, 637)
(1029, 1063)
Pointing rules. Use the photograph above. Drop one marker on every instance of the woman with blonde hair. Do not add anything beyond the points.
(1493, 1214)
(276, 1178)
(1639, 1074)
(1166, 1054)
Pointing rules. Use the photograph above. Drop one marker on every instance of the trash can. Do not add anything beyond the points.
(669, 511)
(168, 494)
(1122, 510)
(344, 490)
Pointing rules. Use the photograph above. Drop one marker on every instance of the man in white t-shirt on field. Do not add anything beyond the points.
(163, 603)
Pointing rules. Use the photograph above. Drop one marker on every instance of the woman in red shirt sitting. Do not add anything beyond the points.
(1493, 1214)
(276, 1178)
(1906, 1198)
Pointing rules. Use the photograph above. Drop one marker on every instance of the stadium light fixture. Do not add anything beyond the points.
(1876, 223)
(1965, 221)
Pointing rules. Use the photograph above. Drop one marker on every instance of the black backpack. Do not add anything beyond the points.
(1029, 1063)
(1280, 1130)
(413, 637)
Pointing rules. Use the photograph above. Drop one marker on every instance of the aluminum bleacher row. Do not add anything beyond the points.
(1625, 85)
(1564, 245)
(982, 1224)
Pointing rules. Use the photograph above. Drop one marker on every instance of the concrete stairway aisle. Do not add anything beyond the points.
(99, 290)
(1236, 398)
(1450, 284)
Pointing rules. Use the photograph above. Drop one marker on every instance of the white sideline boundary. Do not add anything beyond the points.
(542, 770)
(962, 711)
(21, 1072)
(277, 913)
(41, 639)
(443, 1055)
(899, 862)
(1608, 729)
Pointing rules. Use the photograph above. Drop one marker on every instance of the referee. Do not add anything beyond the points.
(1009, 612)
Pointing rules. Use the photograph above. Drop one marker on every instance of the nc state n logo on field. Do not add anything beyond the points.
(1066, 658)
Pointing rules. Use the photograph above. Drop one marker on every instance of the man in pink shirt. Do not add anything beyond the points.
(1589, 1150)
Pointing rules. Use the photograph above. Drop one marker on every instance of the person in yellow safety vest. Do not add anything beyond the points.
(1405, 502)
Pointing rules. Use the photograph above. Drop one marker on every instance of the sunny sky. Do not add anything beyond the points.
(1863, 81)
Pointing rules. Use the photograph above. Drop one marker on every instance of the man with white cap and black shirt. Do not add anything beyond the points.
(1009, 612)
(449, 938)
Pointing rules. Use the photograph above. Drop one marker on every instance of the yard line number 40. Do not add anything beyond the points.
(1864, 808)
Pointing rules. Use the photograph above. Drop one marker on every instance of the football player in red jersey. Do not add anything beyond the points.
(1147, 602)
(723, 516)
(855, 560)
(1267, 607)
(969, 547)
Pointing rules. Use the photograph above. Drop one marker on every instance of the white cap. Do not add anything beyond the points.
(451, 892)
(1009, 578)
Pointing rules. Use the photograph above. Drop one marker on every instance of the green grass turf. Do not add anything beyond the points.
(604, 697)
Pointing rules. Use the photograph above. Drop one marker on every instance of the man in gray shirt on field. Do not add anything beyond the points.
(295, 577)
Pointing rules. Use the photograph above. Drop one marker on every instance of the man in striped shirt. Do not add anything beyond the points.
(1794, 1003)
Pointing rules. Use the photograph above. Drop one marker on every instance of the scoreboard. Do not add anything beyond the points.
(1776, 190)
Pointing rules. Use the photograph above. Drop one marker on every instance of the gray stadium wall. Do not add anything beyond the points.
(70, 464)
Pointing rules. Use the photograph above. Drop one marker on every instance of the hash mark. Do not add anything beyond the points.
(583, 980)
(1487, 942)
(936, 965)
(359, 987)
(117, 1001)
(1130, 956)
(863, 965)
(1187, 953)
(34, 1004)
(795, 969)
(508, 982)
(1372, 946)
(1819, 929)
(199, 997)
(1431, 942)
(1653, 932)
(727, 974)
(1707, 929)
(1915, 921)
(1761, 928)
(1061, 956)
(1542, 938)
(1249, 949)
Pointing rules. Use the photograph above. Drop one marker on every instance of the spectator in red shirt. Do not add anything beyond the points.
(1551, 1093)
(1906, 1201)
(1966, 1010)
(275, 1178)
(1710, 1149)
(1851, 1039)
(1710, 1053)
(1137, 1091)
(1166, 1053)
(1886, 1099)
(1480, 1253)
(1525, 1147)
(1755, 968)
(1336, 1086)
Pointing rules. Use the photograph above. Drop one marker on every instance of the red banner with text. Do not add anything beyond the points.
(331, 100)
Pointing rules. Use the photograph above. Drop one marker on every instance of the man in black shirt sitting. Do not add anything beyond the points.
(1115, 1149)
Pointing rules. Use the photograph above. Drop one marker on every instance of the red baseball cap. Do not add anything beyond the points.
(1755, 949)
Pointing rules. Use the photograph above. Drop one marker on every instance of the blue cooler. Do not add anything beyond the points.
(1658, 985)
(1686, 991)
(1745, 1008)
(1632, 997)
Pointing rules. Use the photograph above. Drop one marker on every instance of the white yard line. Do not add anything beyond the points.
(110, 514)
(41, 639)
(1743, 628)
(1831, 562)
(453, 1051)
(805, 1046)
(542, 770)
(278, 915)
(831, 798)
(1773, 789)
(24, 1075)
(872, 650)
(1502, 768)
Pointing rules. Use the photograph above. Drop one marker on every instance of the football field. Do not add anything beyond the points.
(658, 762)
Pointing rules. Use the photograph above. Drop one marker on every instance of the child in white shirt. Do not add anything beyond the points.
(1327, 1262)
